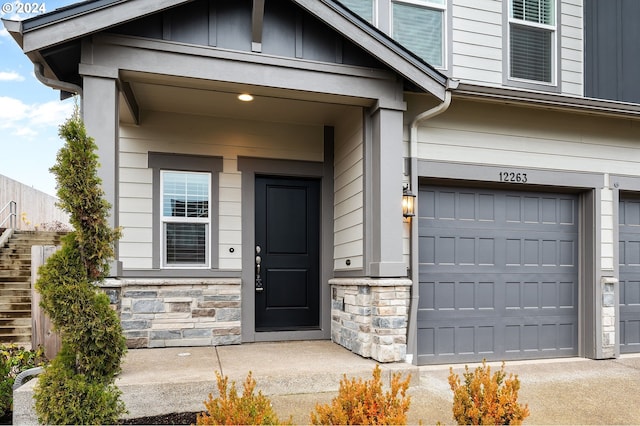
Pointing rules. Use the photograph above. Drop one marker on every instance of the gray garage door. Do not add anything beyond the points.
(629, 275)
(498, 275)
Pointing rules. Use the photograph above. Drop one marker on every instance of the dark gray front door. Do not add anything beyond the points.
(629, 253)
(288, 235)
(498, 275)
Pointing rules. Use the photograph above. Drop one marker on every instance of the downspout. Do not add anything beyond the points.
(63, 86)
(412, 332)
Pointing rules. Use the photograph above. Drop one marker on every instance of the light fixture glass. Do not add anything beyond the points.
(408, 203)
(245, 97)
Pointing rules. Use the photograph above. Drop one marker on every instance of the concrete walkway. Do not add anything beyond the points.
(297, 375)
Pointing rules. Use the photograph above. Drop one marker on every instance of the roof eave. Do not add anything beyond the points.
(14, 28)
(48, 32)
(548, 100)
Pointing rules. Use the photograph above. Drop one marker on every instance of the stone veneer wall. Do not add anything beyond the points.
(177, 312)
(369, 316)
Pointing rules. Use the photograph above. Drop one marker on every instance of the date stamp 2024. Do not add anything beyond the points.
(24, 8)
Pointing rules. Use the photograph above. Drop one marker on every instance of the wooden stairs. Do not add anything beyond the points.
(15, 283)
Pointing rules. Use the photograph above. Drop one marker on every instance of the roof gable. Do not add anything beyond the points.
(362, 44)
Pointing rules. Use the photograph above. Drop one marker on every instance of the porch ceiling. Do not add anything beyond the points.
(153, 92)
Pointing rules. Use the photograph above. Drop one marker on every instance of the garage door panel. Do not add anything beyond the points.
(629, 286)
(504, 287)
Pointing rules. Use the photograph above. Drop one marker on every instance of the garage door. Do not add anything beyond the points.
(498, 275)
(629, 275)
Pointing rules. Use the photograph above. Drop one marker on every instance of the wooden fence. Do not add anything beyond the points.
(42, 333)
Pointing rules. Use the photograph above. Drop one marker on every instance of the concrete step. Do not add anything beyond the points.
(15, 313)
(15, 299)
(15, 322)
(14, 330)
(19, 338)
(10, 307)
(14, 292)
(14, 273)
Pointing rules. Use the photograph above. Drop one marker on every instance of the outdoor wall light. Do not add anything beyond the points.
(245, 97)
(408, 202)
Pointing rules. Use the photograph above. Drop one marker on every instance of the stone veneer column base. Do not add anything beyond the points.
(369, 316)
(158, 313)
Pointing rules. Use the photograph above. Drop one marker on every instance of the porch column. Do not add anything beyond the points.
(386, 191)
(100, 115)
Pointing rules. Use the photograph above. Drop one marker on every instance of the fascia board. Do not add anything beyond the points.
(14, 28)
(91, 21)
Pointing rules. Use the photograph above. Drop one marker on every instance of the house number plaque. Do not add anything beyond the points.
(512, 177)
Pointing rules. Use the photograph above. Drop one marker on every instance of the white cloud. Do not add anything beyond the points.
(51, 113)
(28, 121)
(10, 76)
(4, 33)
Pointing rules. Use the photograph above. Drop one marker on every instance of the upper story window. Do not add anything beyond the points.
(532, 39)
(419, 26)
(416, 24)
(185, 218)
(364, 8)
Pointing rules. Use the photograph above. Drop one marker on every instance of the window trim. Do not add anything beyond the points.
(158, 161)
(508, 80)
(431, 5)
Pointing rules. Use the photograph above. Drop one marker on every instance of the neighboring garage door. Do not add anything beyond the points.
(629, 275)
(498, 275)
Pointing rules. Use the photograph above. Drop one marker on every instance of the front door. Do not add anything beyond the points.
(287, 290)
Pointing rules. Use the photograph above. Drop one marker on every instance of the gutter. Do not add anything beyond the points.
(412, 332)
(66, 89)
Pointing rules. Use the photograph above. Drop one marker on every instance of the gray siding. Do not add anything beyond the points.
(227, 24)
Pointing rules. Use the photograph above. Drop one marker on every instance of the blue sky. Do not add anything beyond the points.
(30, 112)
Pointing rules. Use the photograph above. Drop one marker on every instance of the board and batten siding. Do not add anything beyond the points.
(502, 135)
(200, 135)
(478, 43)
(348, 208)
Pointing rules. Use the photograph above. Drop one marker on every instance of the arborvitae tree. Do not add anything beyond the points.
(78, 387)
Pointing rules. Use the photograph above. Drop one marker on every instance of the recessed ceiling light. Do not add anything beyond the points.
(245, 97)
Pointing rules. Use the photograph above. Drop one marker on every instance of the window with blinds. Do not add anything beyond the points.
(363, 8)
(532, 34)
(185, 218)
(418, 25)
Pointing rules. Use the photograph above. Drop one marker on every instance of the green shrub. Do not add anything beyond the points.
(484, 399)
(14, 360)
(78, 387)
(230, 409)
(365, 403)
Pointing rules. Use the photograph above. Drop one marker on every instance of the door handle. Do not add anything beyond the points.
(259, 285)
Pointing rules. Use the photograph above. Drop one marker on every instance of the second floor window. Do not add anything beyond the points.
(419, 26)
(532, 38)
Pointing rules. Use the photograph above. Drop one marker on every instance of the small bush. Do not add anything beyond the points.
(14, 360)
(364, 403)
(486, 400)
(231, 409)
(67, 398)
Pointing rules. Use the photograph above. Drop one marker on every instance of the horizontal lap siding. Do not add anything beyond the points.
(477, 40)
(485, 133)
(349, 193)
(199, 135)
(571, 47)
(480, 49)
